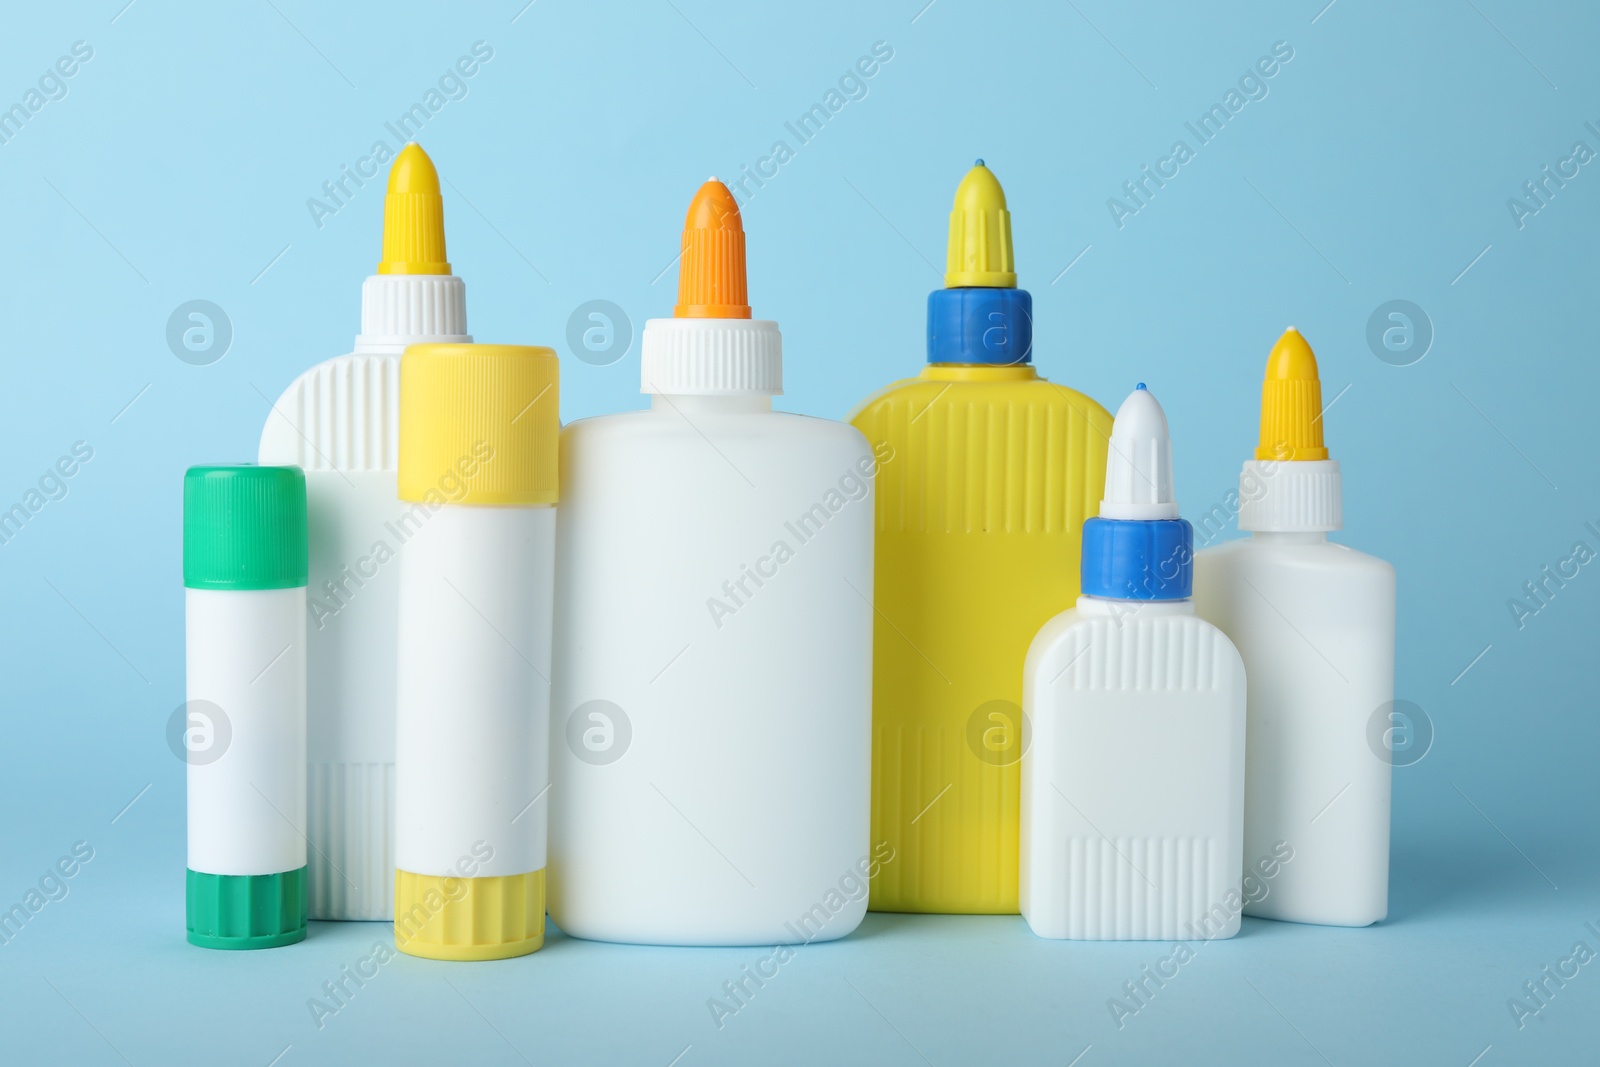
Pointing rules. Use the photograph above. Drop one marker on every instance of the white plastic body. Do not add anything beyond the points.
(472, 727)
(738, 812)
(1133, 781)
(339, 420)
(245, 657)
(1314, 622)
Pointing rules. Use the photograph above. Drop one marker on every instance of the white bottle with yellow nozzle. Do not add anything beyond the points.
(338, 421)
(1315, 624)
(478, 468)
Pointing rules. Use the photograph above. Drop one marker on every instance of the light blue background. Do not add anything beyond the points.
(1378, 167)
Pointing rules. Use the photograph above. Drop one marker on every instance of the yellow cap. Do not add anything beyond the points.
(413, 217)
(1291, 402)
(450, 918)
(479, 424)
(979, 253)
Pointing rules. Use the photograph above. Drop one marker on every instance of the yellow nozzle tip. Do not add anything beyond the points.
(413, 217)
(1291, 402)
(413, 171)
(979, 252)
(1292, 357)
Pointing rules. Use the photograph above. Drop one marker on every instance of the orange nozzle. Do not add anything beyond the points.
(711, 279)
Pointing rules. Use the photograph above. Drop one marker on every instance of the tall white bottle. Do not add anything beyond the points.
(1314, 622)
(710, 726)
(1133, 782)
(339, 421)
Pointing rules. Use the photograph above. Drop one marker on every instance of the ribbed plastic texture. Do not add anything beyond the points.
(979, 250)
(448, 918)
(1110, 653)
(980, 506)
(993, 326)
(1133, 787)
(711, 265)
(479, 424)
(351, 832)
(409, 223)
(1138, 559)
(340, 415)
(1109, 901)
(1291, 427)
(1029, 459)
(241, 911)
(711, 357)
(716, 259)
(407, 308)
(1291, 402)
(1300, 496)
(244, 527)
(413, 217)
(1139, 477)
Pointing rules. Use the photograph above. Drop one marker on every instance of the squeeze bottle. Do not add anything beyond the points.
(337, 420)
(979, 517)
(244, 576)
(709, 736)
(1315, 623)
(478, 471)
(1133, 786)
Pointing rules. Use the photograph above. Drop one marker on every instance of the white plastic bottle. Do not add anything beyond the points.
(244, 573)
(478, 470)
(1315, 623)
(1133, 781)
(711, 719)
(338, 421)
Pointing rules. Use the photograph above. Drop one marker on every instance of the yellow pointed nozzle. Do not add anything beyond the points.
(1291, 402)
(413, 217)
(979, 253)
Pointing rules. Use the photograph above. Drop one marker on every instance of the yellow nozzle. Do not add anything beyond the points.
(1291, 402)
(413, 217)
(979, 253)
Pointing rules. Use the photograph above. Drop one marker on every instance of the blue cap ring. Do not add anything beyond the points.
(974, 325)
(1138, 559)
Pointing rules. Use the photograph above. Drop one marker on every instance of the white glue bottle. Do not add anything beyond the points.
(1133, 779)
(478, 473)
(244, 576)
(711, 725)
(1314, 622)
(337, 420)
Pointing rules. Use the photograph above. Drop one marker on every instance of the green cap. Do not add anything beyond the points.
(246, 910)
(244, 527)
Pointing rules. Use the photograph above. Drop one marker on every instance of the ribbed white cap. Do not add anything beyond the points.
(1290, 496)
(711, 357)
(409, 309)
(1139, 462)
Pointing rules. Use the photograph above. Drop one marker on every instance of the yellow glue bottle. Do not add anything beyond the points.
(988, 473)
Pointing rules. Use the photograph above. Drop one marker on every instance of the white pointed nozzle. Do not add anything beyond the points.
(1139, 463)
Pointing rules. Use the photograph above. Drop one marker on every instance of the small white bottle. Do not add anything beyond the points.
(1315, 623)
(338, 421)
(711, 720)
(1133, 780)
(478, 470)
(244, 576)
